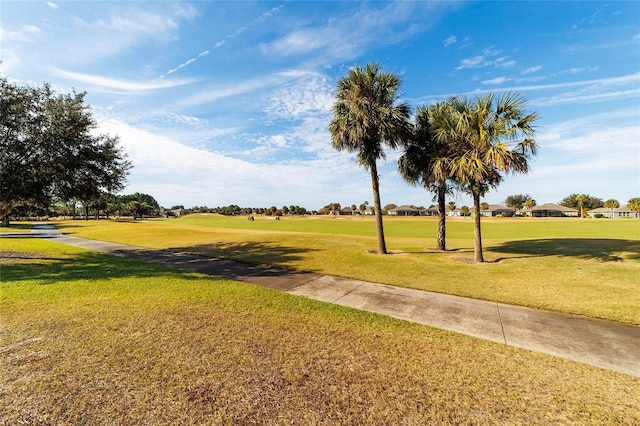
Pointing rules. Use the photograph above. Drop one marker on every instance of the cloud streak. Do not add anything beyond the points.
(220, 43)
(112, 83)
(488, 57)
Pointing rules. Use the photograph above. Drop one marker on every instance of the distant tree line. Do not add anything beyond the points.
(136, 206)
(234, 210)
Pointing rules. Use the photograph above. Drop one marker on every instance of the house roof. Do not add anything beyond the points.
(404, 208)
(494, 207)
(622, 208)
(552, 206)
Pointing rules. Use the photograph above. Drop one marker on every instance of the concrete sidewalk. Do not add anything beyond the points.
(600, 343)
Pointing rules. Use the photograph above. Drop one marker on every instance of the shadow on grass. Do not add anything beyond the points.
(262, 253)
(69, 225)
(606, 250)
(13, 227)
(84, 266)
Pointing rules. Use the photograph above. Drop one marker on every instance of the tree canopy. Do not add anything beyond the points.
(516, 201)
(367, 117)
(634, 204)
(588, 202)
(486, 137)
(416, 164)
(49, 149)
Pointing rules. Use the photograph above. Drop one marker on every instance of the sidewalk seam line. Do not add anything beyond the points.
(305, 283)
(349, 292)
(504, 335)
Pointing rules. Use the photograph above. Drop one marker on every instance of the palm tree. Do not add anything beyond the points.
(415, 165)
(581, 198)
(530, 203)
(611, 204)
(366, 118)
(488, 135)
(634, 205)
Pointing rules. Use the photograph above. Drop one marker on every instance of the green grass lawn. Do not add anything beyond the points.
(584, 267)
(88, 338)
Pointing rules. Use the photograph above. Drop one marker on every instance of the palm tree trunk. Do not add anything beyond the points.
(477, 246)
(442, 219)
(375, 184)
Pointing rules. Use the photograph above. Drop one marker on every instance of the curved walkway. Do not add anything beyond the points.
(600, 343)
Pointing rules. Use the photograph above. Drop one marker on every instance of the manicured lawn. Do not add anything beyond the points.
(585, 267)
(87, 338)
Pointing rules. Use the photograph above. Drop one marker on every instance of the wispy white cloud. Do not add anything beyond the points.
(52, 5)
(227, 90)
(239, 87)
(532, 70)
(496, 81)
(488, 57)
(587, 96)
(345, 35)
(604, 89)
(142, 23)
(26, 33)
(450, 40)
(504, 62)
(617, 44)
(300, 98)
(162, 166)
(578, 70)
(111, 83)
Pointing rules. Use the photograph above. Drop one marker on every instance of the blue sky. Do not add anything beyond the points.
(221, 103)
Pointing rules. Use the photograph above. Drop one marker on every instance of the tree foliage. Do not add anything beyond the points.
(611, 204)
(516, 201)
(138, 205)
(529, 204)
(389, 206)
(416, 164)
(634, 204)
(367, 117)
(486, 137)
(49, 149)
(588, 202)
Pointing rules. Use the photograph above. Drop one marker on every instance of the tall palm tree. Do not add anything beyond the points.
(488, 136)
(611, 204)
(581, 198)
(530, 203)
(415, 165)
(367, 117)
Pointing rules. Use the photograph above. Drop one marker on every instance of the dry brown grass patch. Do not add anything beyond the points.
(146, 345)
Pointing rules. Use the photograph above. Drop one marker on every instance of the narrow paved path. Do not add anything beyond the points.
(601, 343)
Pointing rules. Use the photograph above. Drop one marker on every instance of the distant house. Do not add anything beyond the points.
(554, 210)
(455, 213)
(346, 211)
(369, 211)
(171, 213)
(403, 211)
(497, 210)
(431, 211)
(620, 212)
